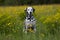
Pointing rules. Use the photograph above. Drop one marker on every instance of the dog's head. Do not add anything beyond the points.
(29, 10)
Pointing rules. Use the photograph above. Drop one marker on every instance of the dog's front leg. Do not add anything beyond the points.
(34, 28)
(26, 29)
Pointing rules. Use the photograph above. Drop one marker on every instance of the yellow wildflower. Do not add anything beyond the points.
(9, 23)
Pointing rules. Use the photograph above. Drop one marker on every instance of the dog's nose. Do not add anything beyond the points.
(29, 12)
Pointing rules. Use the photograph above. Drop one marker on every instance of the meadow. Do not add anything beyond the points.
(47, 23)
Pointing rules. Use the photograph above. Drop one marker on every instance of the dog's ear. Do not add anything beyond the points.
(33, 10)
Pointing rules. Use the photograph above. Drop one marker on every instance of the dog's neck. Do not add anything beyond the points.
(29, 18)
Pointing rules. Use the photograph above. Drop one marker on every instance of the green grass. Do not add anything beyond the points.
(12, 22)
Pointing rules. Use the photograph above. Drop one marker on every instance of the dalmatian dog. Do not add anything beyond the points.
(30, 21)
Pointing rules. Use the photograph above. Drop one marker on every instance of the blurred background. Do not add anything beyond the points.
(27, 2)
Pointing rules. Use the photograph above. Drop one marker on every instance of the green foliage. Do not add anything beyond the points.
(27, 2)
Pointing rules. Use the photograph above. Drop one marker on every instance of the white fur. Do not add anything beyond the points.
(29, 9)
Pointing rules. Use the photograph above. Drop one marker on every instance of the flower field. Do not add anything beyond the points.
(47, 23)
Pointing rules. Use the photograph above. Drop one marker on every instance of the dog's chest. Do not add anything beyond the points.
(27, 22)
